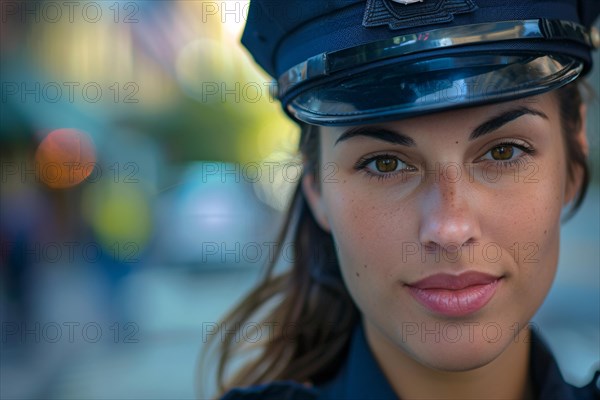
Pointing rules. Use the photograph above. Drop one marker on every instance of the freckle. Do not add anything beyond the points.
(344, 181)
(545, 231)
(357, 274)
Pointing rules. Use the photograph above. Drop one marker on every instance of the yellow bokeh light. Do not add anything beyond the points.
(119, 212)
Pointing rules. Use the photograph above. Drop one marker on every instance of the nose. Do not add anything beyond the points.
(449, 217)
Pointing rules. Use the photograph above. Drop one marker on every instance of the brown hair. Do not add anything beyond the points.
(569, 103)
(311, 297)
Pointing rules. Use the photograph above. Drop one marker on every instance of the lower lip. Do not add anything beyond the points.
(456, 303)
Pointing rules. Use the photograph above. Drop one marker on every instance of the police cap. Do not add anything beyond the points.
(349, 62)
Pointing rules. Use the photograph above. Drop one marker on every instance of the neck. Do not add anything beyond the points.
(506, 377)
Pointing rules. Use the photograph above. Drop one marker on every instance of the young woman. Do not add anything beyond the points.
(441, 142)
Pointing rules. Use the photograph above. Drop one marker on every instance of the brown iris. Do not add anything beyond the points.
(386, 164)
(502, 153)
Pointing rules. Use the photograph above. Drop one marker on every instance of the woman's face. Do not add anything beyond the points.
(447, 226)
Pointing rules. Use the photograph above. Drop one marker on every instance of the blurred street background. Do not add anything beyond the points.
(144, 168)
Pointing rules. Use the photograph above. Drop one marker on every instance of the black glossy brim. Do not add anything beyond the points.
(396, 91)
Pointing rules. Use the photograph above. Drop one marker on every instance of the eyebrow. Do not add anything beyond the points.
(377, 133)
(395, 137)
(500, 120)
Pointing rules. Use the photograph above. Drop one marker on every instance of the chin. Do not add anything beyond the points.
(462, 362)
(459, 356)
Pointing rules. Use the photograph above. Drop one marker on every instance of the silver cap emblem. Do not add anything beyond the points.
(407, 1)
(402, 14)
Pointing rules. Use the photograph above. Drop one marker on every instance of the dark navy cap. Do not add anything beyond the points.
(348, 62)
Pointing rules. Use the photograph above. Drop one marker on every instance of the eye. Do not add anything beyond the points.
(502, 153)
(384, 164)
(506, 152)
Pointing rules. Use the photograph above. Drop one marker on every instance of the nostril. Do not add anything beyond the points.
(471, 242)
(431, 247)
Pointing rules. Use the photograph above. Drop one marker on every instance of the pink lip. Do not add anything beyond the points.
(455, 295)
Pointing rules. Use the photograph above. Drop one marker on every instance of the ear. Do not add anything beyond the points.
(313, 195)
(574, 184)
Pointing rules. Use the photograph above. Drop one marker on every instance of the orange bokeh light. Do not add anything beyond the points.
(65, 158)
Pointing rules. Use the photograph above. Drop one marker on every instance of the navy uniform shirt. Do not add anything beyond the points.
(361, 378)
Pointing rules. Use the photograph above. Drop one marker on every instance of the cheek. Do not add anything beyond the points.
(353, 220)
(536, 203)
(368, 236)
(525, 222)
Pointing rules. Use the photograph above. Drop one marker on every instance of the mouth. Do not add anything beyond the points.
(455, 295)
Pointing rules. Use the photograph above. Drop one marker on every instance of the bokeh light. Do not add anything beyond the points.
(65, 158)
(120, 215)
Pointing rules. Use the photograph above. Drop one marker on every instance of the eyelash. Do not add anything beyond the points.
(361, 164)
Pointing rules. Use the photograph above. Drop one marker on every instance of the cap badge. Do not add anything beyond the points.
(397, 15)
(407, 1)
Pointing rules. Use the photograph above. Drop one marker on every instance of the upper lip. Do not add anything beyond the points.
(454, 282)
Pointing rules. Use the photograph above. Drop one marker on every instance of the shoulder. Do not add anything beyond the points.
(280, 390)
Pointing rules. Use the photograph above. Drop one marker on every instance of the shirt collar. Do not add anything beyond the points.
(548, 382)
(360, 377)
